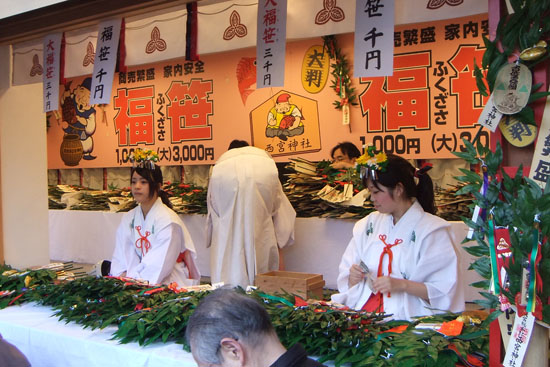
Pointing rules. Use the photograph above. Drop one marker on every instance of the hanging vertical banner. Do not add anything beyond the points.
(540, 165)
(271, 43)
(374, 27)
(105, 61)
(50, 80)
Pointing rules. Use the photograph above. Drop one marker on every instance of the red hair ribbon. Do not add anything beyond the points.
(425, 168)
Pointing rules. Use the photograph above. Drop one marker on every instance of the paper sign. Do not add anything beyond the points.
(490, 116)
(519, 340)
(271, 44)
(50, 80)
(374, 32)
(105, 61)
(540, 165)
(506, 323)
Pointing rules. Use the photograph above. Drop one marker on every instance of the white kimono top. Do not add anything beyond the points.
(425, 254)
(249, 216)
(148, 248)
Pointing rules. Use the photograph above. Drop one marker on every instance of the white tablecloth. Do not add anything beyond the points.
(47, 342)
(88, 237)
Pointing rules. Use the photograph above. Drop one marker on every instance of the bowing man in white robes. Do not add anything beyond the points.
(152, 243)
(401, 259)
(249, 217)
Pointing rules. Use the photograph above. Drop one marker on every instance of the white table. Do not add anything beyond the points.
(88, 237)
(47, 342)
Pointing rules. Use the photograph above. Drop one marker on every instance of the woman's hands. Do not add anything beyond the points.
(356, 275)
(387, 284)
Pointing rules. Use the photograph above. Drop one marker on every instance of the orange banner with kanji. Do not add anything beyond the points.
(189, 111)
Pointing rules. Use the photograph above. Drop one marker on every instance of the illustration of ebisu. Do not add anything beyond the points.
(80, 116)
(284, 119)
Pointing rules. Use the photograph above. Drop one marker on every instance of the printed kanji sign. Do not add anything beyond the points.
(189, 111)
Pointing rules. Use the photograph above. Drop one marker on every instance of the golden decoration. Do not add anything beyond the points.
(534, 53)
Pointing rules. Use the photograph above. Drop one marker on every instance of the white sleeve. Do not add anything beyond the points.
(348, 259)
(356, 296)
(119, 262)
(284, 219)
(437, 268)
(159, 262)
(210, 205)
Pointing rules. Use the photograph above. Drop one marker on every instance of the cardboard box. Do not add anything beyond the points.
(304, 285)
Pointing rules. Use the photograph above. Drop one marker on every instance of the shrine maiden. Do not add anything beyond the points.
(401, 259)
(249, 216)
(152, 242)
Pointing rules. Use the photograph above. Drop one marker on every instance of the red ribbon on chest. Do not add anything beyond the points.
(387, 251)
(142, 243)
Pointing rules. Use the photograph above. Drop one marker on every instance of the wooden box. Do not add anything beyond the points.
(304, 285)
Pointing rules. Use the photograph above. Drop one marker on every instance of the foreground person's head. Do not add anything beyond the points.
(231, 329)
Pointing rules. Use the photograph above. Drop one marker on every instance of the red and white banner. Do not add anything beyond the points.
(223, 27)
(418, 11)
(155, 37)
(50, 77)
(105, 61)
(271, 44)
(313, 18)
(28, 63)
(226, 26)
(80, 52)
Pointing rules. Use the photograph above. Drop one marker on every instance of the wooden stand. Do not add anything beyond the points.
(537, 353)
(302, 284)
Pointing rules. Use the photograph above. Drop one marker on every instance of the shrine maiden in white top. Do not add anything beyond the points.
(152, 242)
(249, 216)
(401, 259)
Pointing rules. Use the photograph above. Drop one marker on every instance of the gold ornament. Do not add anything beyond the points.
(534, 53)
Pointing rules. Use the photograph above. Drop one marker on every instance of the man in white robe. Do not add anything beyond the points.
(153, 248)
(249, 217)
(425, 255)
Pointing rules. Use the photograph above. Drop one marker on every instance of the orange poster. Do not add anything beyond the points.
(189, 111)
